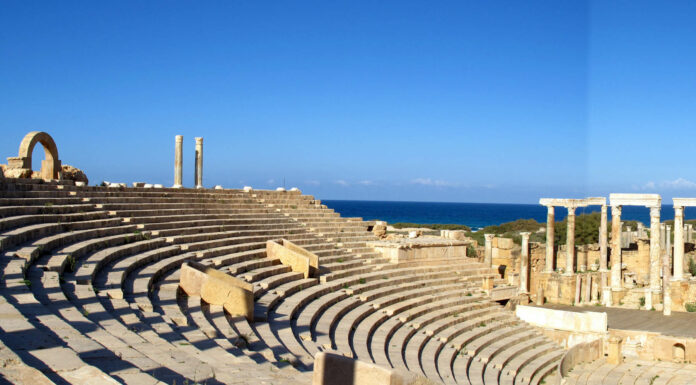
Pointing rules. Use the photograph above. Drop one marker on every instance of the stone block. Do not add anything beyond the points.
(505, 243)
(218, 288)
(298, 258)
(334, 369)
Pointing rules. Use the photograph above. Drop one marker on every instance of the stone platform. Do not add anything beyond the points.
(676, 325)
(405, 249)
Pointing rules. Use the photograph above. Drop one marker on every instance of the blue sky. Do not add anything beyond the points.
(487, 101)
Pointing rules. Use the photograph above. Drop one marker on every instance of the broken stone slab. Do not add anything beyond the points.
(298, 258)
(218, 288)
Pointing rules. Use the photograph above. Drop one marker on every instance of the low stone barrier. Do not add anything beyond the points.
(583, 352)
(401, 250)
(298, 258)
(334, 369)
(218, 288)
(567, 328)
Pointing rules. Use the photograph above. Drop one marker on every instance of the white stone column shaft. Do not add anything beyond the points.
(616, 247)
(524, 263)
(678, 242)
(488, 254)
(570, 242)
(603, 240)
(655, 248)
(178, 161)
(199, 163)
(549, 238)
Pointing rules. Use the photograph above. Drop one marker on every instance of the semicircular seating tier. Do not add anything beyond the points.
(90, 282)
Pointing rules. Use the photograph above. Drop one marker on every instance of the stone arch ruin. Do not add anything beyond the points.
(678, 352)
(50, 167)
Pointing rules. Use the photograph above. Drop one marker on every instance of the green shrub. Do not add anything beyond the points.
(690, 307)
(692, 266)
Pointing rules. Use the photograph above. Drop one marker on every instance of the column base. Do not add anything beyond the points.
(199, 187)
(177, 186)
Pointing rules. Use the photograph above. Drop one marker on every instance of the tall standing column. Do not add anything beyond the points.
(199, 163)
(524, 263)
(678, 242)
(616, 248)
(549, 239)
(666, 285)
(570, 242)
(690, 232)
(655, 248)
(603, 240)
(488, 255)
(668, 239)
(178, 161)
(663, 236)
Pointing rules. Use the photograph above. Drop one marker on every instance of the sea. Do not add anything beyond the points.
(476, 215)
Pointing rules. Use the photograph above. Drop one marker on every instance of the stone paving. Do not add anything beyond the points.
(634, 372)
(678, 324)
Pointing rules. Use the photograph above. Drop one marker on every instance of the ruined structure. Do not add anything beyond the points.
(144, 285)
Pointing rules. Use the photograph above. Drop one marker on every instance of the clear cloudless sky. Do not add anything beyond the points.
(469, 101)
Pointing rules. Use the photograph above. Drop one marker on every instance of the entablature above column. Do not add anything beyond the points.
(648, 200)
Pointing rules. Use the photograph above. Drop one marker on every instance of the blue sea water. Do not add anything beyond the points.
(474, 215)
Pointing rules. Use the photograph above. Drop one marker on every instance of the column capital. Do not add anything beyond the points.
(615, 210)
(199, 140)
(179, 138)
(668, 227)
(489, 237)
(571, 210)
(525, 234)
(550, 209)
(654, 211)
(678, 210)
(604, 208)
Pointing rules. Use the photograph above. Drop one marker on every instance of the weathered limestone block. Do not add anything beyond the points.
(505, 243)
(298, 258)
(615, 357)
(380, 229)
(335, 369)
(74, 174)
(18, 172)
(218, 288)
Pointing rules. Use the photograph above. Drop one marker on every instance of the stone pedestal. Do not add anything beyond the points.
(615, 357)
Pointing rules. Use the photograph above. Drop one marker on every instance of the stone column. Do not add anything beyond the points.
(178, 160)
(616, 248)
(678, 243)
(666, 286)
(488, 255)
(655, 248)
(578, 284)
(199, 163)
(689, 232)
(663, 236)
(549, 239)
(615, 357)
(603, 240)
(588, 288)
(668, 239)
(570, 242)
(524, 263)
